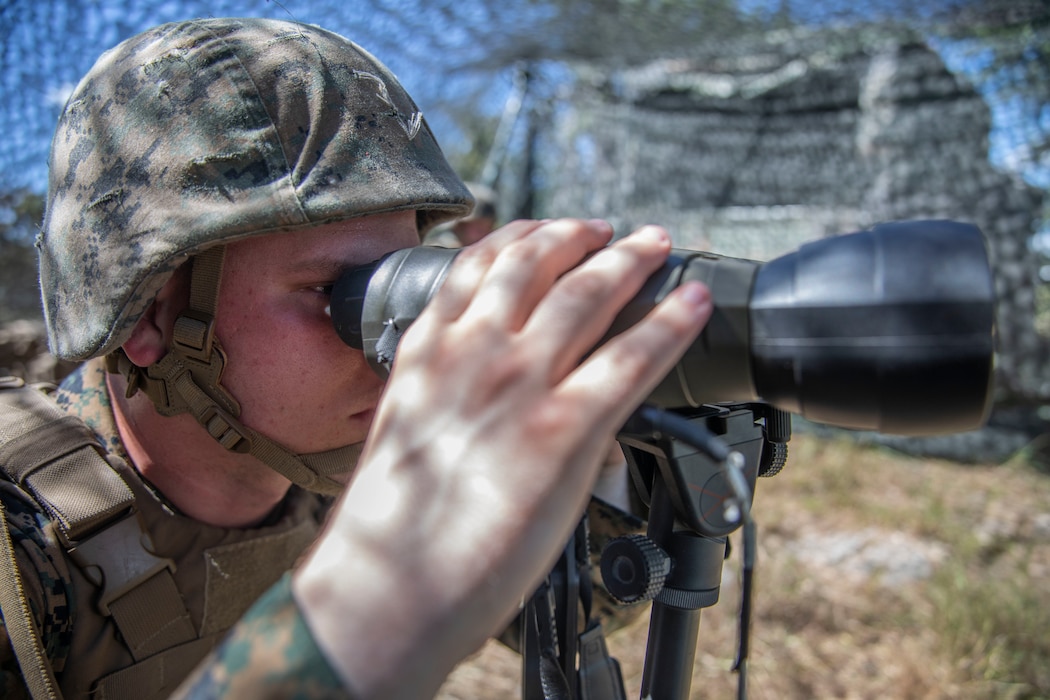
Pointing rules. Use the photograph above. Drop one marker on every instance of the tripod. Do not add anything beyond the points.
(678, 466)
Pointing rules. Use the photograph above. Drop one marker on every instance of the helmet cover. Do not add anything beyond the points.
(198, 133)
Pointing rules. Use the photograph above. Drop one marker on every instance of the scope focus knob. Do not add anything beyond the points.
(773, 459)
(634, 569)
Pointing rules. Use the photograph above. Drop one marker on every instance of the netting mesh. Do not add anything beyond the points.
(744, 126)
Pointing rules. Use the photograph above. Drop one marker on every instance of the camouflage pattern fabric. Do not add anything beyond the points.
(50, 597)
(202, 132)
(53, 599)
(270, 653)
(84, 394)
(271, 647)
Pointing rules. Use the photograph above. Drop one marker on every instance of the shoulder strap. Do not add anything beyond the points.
(57, 459)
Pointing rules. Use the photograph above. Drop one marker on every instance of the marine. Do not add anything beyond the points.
(209, 180)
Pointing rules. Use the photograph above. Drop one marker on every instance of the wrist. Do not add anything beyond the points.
(383, 631)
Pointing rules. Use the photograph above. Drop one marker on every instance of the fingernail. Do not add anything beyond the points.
(695, 293)
(653, 233)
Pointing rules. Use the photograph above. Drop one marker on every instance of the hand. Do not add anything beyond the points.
(485, 447)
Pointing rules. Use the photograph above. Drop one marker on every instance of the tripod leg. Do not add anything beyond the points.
(694, 584)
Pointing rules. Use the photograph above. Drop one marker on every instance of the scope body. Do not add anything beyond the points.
(888, 329)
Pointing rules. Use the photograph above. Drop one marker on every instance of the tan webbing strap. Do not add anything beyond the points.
(175, 381)
(57, 459)
(341, 460)
(37, 443)
(173, 388)
(157, 676)
(188, 380)
(152, 616)
(315, 469)
(137, 588)
(308, 471)
(207, 273)
(19, 623)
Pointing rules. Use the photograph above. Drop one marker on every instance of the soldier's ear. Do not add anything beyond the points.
(146, 344)
(151, 337)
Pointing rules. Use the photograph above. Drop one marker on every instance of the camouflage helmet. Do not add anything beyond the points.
(198, 133)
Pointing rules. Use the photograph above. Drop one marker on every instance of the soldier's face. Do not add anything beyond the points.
(297, 382)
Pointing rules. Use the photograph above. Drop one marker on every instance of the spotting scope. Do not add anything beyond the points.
(888, 329)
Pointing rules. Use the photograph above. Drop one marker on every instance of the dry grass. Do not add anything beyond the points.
(878, 576)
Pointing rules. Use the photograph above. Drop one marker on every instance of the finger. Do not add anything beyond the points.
(579, 310)
(526, 269)
(470, 267)
(623, 372)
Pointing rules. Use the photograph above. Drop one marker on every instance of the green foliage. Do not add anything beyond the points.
(21, 213)
(1042, 310)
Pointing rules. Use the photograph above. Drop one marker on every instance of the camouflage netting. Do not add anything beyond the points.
(791, 136)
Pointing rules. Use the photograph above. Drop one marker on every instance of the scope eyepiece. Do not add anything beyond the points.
(348, 312)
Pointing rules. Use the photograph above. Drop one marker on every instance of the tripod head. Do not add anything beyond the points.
(696, 481)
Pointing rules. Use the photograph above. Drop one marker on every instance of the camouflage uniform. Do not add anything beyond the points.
(272, 634)
(210, 131)
(285, 661)
(180, 140)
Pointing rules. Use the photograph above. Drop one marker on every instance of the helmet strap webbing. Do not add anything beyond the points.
(188, 380)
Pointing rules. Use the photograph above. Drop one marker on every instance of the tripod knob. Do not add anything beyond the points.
(773, 459)
(634, 569)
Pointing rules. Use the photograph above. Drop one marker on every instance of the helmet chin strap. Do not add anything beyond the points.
(188, 380)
